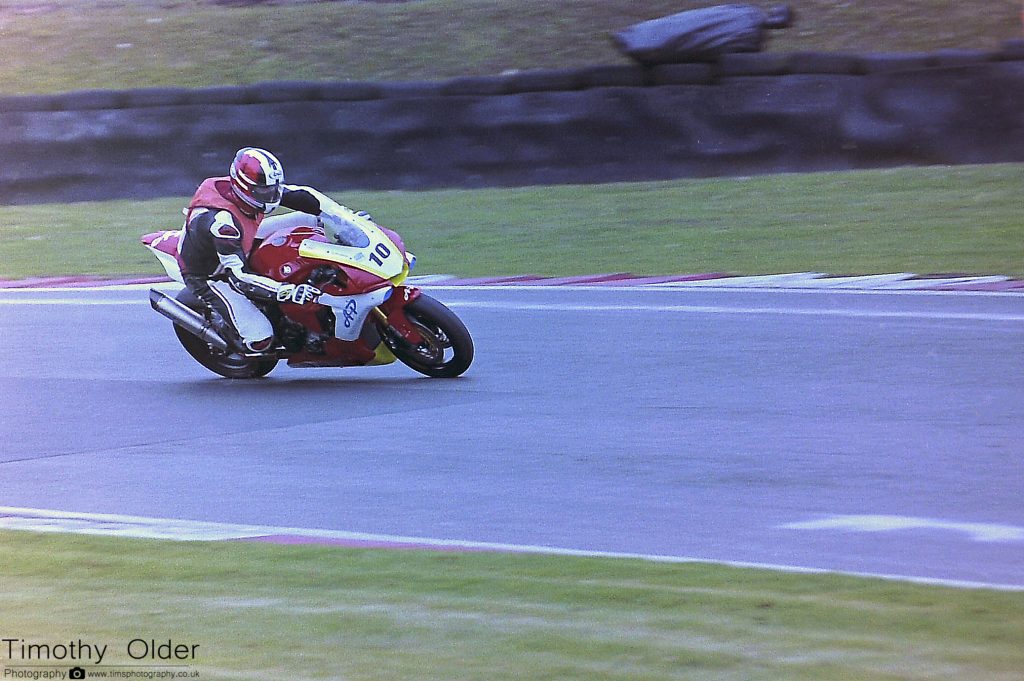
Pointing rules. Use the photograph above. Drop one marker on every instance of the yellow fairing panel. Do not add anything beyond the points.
(347, 255)
(381, 257)
(399, 278)
(382, 355)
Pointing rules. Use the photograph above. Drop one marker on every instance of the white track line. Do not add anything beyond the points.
(86, 302)
(725, 309)
(979, 532)
(799, 285)
(612, 307)
(46, 520)
(798, 290)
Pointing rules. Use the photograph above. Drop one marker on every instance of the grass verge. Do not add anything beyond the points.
(963, 219)
(282, 612)
(60, 45)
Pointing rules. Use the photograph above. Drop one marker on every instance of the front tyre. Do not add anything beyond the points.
(447, 347)
(228, 365)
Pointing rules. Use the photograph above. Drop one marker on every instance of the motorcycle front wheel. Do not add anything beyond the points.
(447, 347)
(228, 365)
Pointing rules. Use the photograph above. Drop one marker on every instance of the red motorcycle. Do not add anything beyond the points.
(365, 316)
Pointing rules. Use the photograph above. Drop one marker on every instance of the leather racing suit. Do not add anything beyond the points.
(219, 235)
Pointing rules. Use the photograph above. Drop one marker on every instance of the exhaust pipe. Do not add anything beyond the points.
(188, 319)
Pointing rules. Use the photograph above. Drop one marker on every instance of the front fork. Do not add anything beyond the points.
(392, 319)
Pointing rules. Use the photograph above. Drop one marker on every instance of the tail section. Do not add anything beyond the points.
(164, 245)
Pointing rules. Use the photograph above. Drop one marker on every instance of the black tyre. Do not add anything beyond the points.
(447, 348)
(228, 365)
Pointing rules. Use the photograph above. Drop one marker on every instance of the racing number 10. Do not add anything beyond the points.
(379, 253)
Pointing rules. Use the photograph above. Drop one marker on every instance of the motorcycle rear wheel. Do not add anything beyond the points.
(447, 348)
(228, 365)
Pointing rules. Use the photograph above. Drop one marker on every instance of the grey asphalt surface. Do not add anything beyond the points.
(684, 423)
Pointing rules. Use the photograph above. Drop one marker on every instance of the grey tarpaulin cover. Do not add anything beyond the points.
(700, 34)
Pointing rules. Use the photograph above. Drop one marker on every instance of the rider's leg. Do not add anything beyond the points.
(249, 326)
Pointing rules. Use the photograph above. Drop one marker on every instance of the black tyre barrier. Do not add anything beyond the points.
(892, 63)
(349, 91)
(826, 63)
(476, 86)
(411, 89)
(223, 95)
(1012, 49)
(84, 100)
(286, 91)
(684, 120)
(726, 66)
(544, 80)
(614, 76)
(682, 74)
(31, 103)
(157, 97)
(753, 64)
(954, 58)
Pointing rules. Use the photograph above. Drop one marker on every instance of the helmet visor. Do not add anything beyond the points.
(268, 194)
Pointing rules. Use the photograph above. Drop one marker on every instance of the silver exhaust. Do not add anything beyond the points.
(186, 318)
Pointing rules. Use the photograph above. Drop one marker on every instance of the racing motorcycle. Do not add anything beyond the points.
(365, 316)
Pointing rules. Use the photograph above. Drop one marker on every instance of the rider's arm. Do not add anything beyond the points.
(227, 238)
(307, 200)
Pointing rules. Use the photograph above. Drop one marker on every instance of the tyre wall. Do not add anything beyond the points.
(745, 114)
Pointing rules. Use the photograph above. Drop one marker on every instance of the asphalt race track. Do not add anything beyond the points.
(863, 432)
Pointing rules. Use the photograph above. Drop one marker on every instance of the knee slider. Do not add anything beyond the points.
(261, 345)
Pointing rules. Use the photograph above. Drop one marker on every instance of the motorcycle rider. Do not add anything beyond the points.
(220, 228)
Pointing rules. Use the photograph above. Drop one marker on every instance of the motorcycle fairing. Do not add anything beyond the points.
(393, 310)
(350, 312)
(357, 241)
(164, 245)
(392, 266)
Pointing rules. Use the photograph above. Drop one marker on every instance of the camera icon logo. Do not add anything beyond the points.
(76, 673)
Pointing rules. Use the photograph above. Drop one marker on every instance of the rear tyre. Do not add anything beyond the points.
(447, 347)
(228, 365)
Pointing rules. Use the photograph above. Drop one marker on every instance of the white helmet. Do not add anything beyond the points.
(257, 178)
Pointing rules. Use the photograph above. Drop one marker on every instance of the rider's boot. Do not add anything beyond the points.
(315, 343)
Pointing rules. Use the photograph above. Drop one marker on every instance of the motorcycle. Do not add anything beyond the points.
(366, 315)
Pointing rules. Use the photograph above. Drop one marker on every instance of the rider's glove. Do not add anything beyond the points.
(299, 294)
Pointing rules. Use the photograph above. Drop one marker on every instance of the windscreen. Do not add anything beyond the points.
(343, 232)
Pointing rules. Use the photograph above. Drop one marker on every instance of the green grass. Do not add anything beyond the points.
(62, 45)
(964, 219)
(278, 612)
